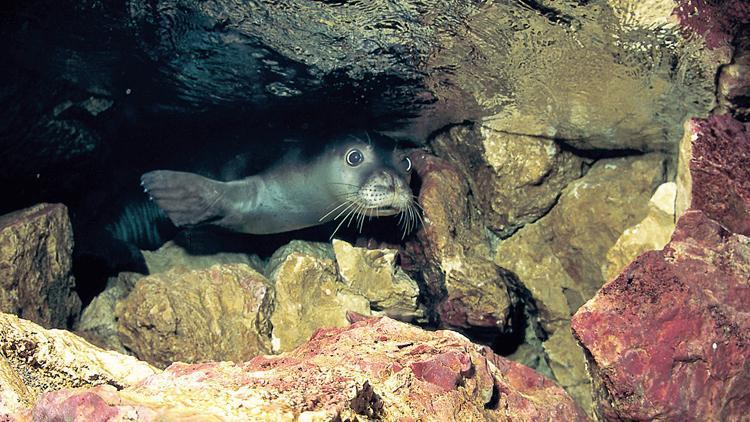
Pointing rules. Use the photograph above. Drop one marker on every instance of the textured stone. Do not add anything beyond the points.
(517, 68)
(48, 360)
(718, 182)
(559, 258)
(36, 281)
(374, 369)
(218, 313)
(653, 232)
(171, 255)
(470, 290)
(374, 273)
(515, 178)
(309, 294)
(14, 396)
(98, 323)
(668, 338)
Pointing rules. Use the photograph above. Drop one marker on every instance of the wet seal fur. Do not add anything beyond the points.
(350, 179)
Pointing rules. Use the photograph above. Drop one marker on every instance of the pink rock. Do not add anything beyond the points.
(669, 338)
(715, 21)
(720, 169)
(375, 367)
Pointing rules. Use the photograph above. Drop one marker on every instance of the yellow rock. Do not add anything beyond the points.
(218, 313)
(652, 233)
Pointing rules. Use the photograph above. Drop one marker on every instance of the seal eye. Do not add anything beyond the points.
(407, 164)
(354, 157)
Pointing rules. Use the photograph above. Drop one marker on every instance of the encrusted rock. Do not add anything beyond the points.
(714, 175)
(470, 290)
(559, 258)
(98, 323)
(48, 360)
(653, 232)
(377, 368)
(172, 255)
(374, 273)
(14, 396)
(36, 281)
(218, 313)
(309, 294)
(668, 338)
(515, 178)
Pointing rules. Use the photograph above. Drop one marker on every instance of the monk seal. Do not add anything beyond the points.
(350, 179)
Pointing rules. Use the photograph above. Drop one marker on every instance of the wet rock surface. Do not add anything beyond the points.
(651, 233)
(218, 313)
(48, 360)
(172, 255)
(98, 323)
(671, 330)
(516, 179)
(559, 258)
(376, 368)
(36, 280)
(468, 289)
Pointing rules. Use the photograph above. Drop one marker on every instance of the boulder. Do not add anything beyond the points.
(34, 360)
(559, 258)
(218, 313)
(651, 233)
(36, 280)
(668, 337)
(172, 255)
(515, 178)
(470, 291)
(309, 293)
(98, 323)
(710, 178)
(376, 368)
(374, 274)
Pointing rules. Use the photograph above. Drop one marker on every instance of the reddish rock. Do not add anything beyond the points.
(720, 171)
(669, 338)
(377, 367)
(715, 21)
(470, 291)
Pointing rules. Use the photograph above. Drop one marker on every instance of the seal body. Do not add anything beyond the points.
(349, 179)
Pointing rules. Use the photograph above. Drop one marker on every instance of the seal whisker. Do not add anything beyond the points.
(333, 210)
(351, 203)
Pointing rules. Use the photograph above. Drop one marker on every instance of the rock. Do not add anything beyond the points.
(14, 396)
(713, 180)
(98, 323)
(171, 255)
(668, 337)
(652, 233)
(377, 368)
(309, 294)
(218, 313)
(515, 178)
(559, 257)
(374, 274)
(471, 292)
(47, 360)
(500, 69)
(36, 281)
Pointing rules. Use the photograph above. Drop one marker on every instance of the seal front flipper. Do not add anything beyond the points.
(190, 199)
